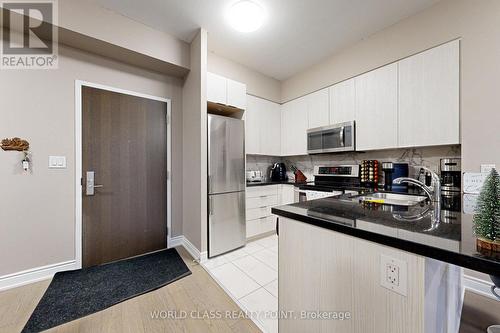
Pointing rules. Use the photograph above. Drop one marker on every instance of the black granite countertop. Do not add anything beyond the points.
(406, 228)
(270, 182)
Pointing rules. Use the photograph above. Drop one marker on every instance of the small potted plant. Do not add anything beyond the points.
(487, 216)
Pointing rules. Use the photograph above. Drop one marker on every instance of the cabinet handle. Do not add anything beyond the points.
(278, 226)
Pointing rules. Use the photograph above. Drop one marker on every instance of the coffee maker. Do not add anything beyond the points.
(450, 175)
(278, 172)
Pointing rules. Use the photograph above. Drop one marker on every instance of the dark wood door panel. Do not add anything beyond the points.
(125, 144)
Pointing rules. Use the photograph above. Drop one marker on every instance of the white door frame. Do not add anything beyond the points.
(78, 159)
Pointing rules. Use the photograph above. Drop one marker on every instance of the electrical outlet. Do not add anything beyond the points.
(393, 274)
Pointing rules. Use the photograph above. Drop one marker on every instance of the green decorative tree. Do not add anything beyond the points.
(487, 216)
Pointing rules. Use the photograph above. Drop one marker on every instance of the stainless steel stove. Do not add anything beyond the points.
(330, 181)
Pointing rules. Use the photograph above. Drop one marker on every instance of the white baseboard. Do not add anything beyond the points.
(47, 272)
(175, 241)
(479, 286)
(184, 242)
(34, 275)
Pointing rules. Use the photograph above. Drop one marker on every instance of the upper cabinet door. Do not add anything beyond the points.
(377, 109)
(429, 97)
(252, 125)
(270, 135)
(294, 127)
(343, 102)
(236, 94)
(216, 89)
(263, 127)
(317, 108)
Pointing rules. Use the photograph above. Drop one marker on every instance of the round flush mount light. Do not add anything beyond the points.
(245, 15)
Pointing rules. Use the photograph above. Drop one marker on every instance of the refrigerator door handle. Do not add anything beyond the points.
(210, 206)
(209, 184)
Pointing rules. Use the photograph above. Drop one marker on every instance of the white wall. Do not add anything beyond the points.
(194, 204)
(257, 83)
(89, 19)
(37, 211)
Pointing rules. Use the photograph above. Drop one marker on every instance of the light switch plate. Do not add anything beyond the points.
(473, 182)
(57, 162)
(470, 203)
(486, 168)
(394, 274)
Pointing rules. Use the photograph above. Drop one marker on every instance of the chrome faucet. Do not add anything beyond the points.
(435, 197)
(434, 194)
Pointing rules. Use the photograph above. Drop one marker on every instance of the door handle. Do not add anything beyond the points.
(90, 184)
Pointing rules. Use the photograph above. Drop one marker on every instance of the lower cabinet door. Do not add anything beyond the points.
(269, 224)
(253, 228)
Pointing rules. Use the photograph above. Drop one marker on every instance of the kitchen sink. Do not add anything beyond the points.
(392, 199)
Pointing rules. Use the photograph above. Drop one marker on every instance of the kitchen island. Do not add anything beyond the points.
(393, 268)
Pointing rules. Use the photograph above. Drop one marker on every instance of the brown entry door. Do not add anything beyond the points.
(125, 150)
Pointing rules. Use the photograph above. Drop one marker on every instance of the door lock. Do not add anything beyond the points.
(90, 185)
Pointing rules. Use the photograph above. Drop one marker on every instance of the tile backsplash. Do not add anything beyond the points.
(415, 157)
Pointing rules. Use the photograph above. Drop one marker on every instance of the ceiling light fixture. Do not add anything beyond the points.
(245, 15)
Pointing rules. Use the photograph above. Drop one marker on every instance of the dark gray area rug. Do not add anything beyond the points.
(75, 294)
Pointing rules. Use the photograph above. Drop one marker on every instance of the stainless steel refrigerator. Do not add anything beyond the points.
(226, 184)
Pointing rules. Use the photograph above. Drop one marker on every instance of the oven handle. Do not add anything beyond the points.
(342, 144)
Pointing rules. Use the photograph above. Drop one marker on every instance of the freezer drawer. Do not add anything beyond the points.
(226, 222)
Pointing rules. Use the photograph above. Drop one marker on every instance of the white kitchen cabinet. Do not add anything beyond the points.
(429, 97)
(271, 129)
(343, 102)
(216, 88)
(263, 127)
(318, 108)
(222, 90)
(377, 109)
(253, 125)
(236, 94)
(259, 201)
(294, 123)
(287, 194)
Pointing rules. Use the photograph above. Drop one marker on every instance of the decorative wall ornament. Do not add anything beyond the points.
(15, 144)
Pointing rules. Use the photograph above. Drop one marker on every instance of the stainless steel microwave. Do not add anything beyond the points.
(331, 139)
